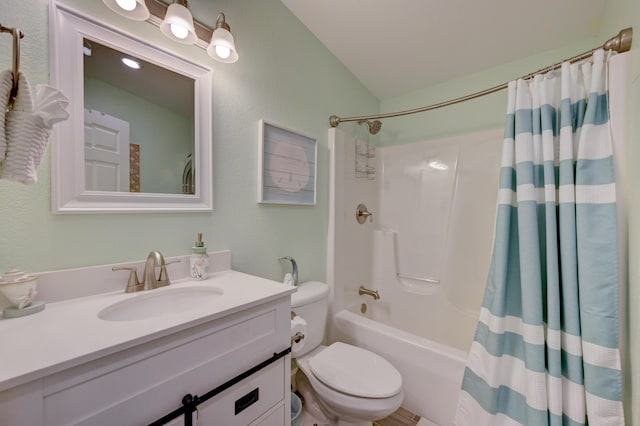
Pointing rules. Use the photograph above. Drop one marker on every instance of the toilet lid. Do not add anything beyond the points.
(356, 371)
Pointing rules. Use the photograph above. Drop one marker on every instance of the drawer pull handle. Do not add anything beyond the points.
(247, 400)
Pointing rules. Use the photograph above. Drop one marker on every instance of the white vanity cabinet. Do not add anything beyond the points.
(140, 384)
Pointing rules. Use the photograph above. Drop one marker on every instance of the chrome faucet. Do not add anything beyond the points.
(155, 259)
(294, 268)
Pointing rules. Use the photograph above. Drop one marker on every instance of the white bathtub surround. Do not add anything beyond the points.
(433, 207)
(546, 349)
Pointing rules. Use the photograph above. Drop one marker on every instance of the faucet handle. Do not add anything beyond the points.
(163, 278)
(133, 284)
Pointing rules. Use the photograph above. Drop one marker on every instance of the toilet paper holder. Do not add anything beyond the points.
(297, 337)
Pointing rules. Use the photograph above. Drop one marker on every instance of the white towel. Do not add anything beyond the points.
(28, 130)
(6, 83)
(50, 104)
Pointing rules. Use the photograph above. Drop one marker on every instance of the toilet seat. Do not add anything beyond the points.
(355, 371)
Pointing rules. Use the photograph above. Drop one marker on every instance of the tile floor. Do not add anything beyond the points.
(401, 417)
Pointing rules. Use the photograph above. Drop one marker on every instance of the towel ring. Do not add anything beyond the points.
(17, 35)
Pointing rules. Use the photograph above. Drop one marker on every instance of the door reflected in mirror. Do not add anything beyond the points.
(138, 124)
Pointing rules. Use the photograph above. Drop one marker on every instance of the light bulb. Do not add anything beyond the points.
(223, 51)
(127, 5)
(179, 31)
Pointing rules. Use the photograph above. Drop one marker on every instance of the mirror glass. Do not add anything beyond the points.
(139, 124)
(138, 139)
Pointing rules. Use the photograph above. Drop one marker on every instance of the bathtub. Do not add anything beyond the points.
(431, 372)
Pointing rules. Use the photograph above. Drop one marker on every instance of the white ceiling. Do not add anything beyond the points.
(397, 46)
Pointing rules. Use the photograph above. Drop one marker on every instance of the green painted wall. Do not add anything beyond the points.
(284, 75)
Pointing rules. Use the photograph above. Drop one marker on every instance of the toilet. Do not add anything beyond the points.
(351, 385)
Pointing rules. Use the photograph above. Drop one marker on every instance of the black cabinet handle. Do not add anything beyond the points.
(247, 400)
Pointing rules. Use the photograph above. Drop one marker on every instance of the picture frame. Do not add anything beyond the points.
(287, 165)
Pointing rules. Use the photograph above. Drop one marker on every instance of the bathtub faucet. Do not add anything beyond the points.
(294, 268)
(373, 293)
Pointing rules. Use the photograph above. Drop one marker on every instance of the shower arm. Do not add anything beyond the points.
(620, 43)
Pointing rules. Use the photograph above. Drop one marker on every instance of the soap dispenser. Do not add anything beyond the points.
(199, 260)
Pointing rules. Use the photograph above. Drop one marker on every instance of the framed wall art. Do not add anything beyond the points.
(287, 166)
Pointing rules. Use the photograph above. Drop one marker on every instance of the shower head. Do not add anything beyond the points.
(374, 126)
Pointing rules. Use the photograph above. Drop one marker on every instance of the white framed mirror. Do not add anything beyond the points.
(138, 139)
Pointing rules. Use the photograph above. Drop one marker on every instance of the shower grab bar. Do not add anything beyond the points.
(417, 278)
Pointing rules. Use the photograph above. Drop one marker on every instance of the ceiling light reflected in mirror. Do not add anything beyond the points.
(131, 63)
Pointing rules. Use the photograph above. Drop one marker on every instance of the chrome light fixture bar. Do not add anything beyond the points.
(176, 22)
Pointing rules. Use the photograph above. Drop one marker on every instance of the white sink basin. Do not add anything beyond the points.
(158, 303)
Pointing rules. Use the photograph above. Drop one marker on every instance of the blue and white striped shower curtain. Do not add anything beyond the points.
(546, 345)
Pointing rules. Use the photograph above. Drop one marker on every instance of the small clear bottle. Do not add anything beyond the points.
(199, 260)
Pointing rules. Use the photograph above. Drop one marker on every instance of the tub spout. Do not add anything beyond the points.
(365, 291)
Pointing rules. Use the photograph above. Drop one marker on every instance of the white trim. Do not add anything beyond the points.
(68, 28)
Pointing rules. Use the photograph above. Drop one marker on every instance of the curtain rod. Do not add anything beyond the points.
(620, 43)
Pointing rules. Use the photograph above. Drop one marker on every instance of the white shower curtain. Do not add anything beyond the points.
(546, 345)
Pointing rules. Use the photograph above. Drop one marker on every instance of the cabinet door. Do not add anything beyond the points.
(274, 417)
(247, 400)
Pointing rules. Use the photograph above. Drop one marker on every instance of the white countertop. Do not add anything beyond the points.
(69, 333)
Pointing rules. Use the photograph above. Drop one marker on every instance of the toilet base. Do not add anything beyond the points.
(311, 403)
(315, 407)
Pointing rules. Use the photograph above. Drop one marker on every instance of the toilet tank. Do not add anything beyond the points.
(311, 302)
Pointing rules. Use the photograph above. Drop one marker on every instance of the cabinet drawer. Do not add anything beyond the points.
(247, 400)
(275, 417)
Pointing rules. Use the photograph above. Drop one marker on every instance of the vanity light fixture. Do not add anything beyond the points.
(132, 9)
(222, 47)
(176, 22)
